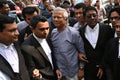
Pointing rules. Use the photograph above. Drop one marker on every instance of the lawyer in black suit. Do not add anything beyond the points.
(95, 36)
(12, 64)
(112, 54)
(38, 59)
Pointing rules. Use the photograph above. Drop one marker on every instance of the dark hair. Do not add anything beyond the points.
(4, 19)
(2, 3)
(65, 6)
(44, 1)
(97, 1)
(116, 9)
(29, 10)
(34, 20)
(88, 9)
(80, 5)
(66, 2)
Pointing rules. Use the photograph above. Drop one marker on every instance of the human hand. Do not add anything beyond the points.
(26, 36)
(100, 73)
(36, 73)
(59, 74)
(82, 57)
(80, 74)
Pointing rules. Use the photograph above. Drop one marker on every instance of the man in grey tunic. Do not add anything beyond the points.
(67, 46)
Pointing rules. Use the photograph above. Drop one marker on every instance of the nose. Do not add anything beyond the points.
(45, 31)
(78, 15)
(113, 19)
(92, 17)
(16, 32)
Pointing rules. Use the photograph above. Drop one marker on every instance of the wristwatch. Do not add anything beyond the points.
(81, 68)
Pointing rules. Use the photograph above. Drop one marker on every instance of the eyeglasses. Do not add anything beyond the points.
(51, 10)
(115, 18)
(58, 17)
(92, 15)
(43, 29)
(117, 26)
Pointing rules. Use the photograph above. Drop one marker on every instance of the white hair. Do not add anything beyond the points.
(65, 14)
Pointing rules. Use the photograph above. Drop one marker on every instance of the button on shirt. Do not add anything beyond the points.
(10, 54)
(45, 47)
(92, 35)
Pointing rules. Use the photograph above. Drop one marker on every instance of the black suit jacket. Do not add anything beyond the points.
(7, 69)
(36, 58)
(112, 59)
(95, 55)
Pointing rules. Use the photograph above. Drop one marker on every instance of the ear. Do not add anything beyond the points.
(66, 19)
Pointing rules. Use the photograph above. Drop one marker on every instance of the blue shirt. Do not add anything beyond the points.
(45, 12)
(22, 25)
(66, 45)
(14, 16)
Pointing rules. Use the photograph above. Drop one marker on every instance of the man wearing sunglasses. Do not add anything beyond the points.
(95, 36)
(37, 51)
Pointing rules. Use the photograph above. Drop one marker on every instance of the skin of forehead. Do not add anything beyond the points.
(118, 23)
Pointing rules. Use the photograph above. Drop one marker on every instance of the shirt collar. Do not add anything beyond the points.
(93, 29)
(5, 46)
(38, 39)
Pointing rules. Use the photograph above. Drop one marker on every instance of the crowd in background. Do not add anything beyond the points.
(59, 40)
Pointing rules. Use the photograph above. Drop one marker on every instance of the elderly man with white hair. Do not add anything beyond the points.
(67, 45)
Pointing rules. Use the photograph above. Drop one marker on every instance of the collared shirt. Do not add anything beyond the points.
(92, 35)
(115, 35)
(45, 47)
(45, 12)
(22, 25)
(10, 54)
(77, 26)
(14, 16)
(4, 76)
(66, 45)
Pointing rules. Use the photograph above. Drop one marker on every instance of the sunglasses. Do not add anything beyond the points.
(92, 15)
(117, 26)
(115, 18)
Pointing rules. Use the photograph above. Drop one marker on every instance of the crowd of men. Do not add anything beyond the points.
(60, 41)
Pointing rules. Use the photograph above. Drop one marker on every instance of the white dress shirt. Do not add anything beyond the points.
(4, 76)
(92, 34)
(77, 26)
(10, 54)
(45, 47)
